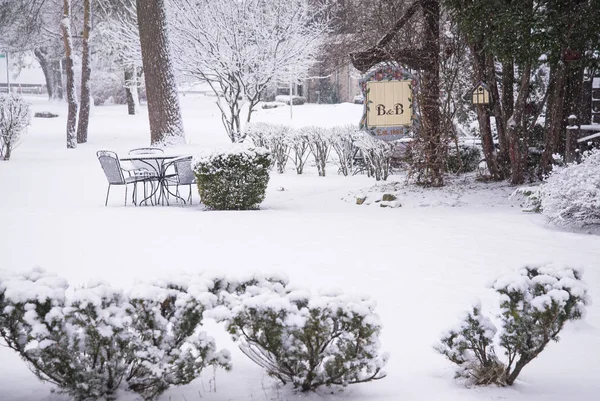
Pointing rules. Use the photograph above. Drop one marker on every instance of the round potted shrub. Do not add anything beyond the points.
(233, 179)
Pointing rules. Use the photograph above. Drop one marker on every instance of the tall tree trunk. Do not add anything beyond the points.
(86, 74)
(483, 113)
(508, 102)
(516, 129)
(166, 127)
(71, 96)
(502, 160)
(554, 115)
(430, 107)
(131, 90)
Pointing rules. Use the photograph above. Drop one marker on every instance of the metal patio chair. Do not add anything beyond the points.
(147, 168)
(114, 174)
(184, 175)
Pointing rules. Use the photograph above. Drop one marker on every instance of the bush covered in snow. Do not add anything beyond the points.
(274, 137)
(535, 304)
(531, 197)
(571, 194)
(319, 143)
(106, 85)
(233, 179)
(463, 160)
(303, 339)
(15, 115)
(93, 341)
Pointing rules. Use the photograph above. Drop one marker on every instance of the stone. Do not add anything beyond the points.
(389, 197)
(45, 114)
(360, 201)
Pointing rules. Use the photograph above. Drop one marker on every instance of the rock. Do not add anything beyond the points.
(45, 114)
(390, 204)
(389, 197)
(360, 201)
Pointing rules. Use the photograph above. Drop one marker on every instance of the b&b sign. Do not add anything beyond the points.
(389, 106)
(390, 103)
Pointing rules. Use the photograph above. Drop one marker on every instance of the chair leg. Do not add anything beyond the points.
(125, 194)
(107, 193)
(190, 196)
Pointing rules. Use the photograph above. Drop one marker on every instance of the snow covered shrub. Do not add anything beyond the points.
(308, 341)
(470, 346)
(298, 142)
(342, 142)
(97, 341)
(233, 179)
(535, 304)
(571, 194)
(169, 349)
(531, 196)
(320, 146)
(463, 160)
(377, 155)
(65, 343)
(15, 115)
(273, 137)
(258, 133)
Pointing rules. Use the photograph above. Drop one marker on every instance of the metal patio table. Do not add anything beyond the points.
(157, 165)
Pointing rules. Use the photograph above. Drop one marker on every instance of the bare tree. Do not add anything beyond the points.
(166, 127)
(240, 47)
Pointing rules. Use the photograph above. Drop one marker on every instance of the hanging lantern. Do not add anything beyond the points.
(481, 94)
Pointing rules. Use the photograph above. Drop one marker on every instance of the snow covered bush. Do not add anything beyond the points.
(298, 142)
(377, 155)
(342, 142)
(15, 115)
(571, 194)
(531, 197)
(306, 340)
(470, 346)
(275, 138)
(95, 341)
(233, 179)
(168, 348)
(463, 160)
(535, 304)
(320, 146)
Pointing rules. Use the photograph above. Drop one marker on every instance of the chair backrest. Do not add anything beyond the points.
(183, 168)
(145, 151)
(111, 166)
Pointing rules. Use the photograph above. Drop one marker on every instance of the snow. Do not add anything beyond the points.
(422, 263)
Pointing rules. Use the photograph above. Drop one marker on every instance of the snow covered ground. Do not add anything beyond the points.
(423, 262)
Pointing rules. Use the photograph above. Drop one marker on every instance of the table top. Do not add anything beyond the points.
(152, 156)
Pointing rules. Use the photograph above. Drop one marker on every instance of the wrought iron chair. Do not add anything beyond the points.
(114, 174)
(184, 175)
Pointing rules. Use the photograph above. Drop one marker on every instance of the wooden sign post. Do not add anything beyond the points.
(389, 106)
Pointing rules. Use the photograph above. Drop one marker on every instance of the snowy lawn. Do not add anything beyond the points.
(423, 262)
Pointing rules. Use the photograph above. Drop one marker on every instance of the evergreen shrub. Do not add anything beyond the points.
(96, 340)
(571, 195)
(233, 179)
(535, 304)
(307, 340)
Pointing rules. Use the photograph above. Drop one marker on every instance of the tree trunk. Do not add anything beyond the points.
(86, 74)
(502, 160)
(516, 129)
(131, 90)
(166, 127)
(51, 70)
(483, 113)
(508, 102)
(430, 107)
(71, 96)
(555, 115)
